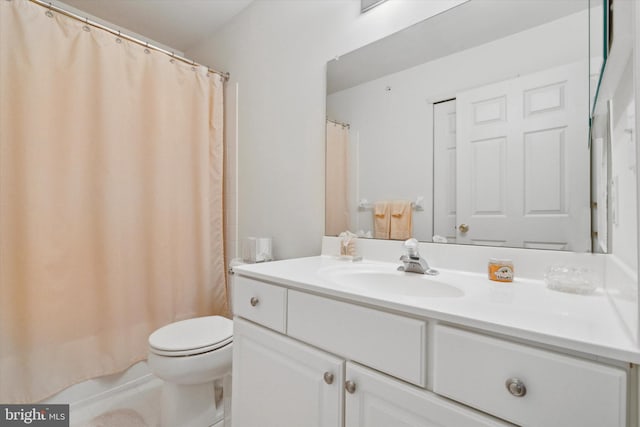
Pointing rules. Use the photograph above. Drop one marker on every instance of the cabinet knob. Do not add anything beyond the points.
(463, 228)
(516, 387)
(350, 386)
(328, 377)
(254, 301)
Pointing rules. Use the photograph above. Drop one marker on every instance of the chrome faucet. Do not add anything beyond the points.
(413, 262)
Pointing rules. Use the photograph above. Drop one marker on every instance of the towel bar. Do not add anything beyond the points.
(366, 205)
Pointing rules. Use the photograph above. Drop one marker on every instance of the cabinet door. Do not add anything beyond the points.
(381, 401)
(280, 382)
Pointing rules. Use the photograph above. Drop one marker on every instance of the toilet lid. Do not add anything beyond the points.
(192, 336)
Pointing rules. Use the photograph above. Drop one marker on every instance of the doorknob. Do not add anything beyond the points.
(463, 228)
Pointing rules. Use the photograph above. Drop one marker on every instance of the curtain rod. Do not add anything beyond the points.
(51, 7)
(335, 122)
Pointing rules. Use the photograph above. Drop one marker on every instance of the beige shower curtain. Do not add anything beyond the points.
(110, 200)
(337, 179)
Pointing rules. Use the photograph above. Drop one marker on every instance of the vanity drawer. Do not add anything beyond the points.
(387, 342)
(260, 302)
(559, 390)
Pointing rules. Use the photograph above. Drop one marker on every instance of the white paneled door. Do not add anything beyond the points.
(522, 175)
(444, 170)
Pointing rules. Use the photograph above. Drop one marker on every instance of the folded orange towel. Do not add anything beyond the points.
(381, 218)
(401, 217)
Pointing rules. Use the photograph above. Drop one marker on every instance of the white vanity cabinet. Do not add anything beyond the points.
(307, 360)
(279, 382)
(376, 400)
(261, 303)
(526, 385)
(387, 342)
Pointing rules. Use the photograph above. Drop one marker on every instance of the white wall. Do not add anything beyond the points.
(635, 60)
(622, 266)
(624, 233)
(620, 86)
(392, 146)
(391, 118)
(277, 52)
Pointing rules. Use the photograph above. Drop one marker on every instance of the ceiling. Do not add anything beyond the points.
(177, 24)
(468, 25)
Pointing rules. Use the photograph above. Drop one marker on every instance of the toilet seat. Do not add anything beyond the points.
(192, 336)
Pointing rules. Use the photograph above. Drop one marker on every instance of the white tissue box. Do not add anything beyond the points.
(257, 249)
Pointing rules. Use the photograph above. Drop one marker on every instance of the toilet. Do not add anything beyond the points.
(193, 357)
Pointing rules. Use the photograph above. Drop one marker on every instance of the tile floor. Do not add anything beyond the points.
(138, 406)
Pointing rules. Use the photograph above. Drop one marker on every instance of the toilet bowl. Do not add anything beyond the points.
(193, 357)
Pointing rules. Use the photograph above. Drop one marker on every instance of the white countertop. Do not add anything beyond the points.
(524, 309)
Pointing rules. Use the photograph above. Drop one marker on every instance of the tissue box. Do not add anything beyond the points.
(256, 249)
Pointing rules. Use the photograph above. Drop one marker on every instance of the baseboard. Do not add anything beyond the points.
(94, 389)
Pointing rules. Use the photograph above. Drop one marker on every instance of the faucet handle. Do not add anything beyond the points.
(411, 246)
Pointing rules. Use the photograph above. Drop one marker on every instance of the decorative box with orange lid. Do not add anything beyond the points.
(501, 270)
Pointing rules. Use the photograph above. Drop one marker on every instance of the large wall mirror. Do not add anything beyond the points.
(471, 126)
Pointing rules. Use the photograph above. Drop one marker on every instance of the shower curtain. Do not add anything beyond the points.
(337, 179)
(111, 197)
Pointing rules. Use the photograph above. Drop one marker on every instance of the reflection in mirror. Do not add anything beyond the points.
(471, 127)
(613, 141)
(597, 48)
(600, 156)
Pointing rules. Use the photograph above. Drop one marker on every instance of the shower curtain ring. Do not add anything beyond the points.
(146, 50)
(49, 13)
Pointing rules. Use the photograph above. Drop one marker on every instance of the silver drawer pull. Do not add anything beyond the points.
(516, 387)
(328, 377)
(254, 301)
(350, 386)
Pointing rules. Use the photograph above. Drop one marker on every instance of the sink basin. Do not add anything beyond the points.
(387, 279)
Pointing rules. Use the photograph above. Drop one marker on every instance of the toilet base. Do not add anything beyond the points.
(188, 405)
(226, 400)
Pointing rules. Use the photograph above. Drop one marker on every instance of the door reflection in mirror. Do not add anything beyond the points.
(509, 157)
